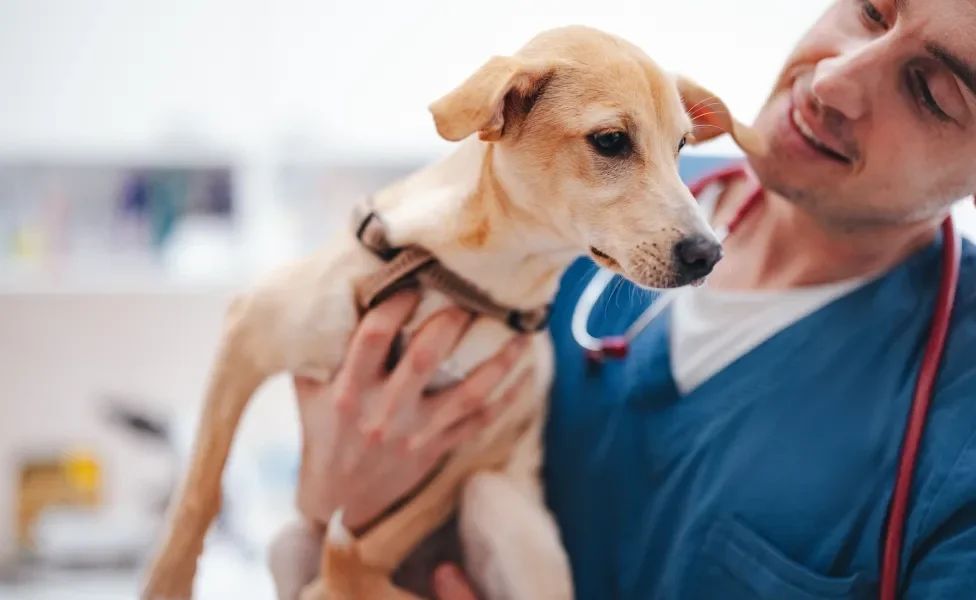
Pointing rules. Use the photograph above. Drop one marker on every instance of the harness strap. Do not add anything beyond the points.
(412, 266)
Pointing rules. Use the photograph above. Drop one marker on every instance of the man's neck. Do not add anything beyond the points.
(780, 246)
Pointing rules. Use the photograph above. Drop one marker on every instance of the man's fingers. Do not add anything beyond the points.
(451, 584)
(373, 338)
(471, 424)
(433, 342)
(470, 395)
(453, 406)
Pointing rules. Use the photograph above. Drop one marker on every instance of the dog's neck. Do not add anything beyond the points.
(476, 218)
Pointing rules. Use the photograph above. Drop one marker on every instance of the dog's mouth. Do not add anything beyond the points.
(604, 258)
(645, 274)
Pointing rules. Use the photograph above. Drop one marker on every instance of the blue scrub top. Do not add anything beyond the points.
(771, 480)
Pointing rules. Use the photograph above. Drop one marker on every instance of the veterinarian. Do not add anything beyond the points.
(747, 445)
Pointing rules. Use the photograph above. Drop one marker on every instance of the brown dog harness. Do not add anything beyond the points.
(413, 266)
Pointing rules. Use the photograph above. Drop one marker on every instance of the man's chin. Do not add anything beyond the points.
(786, 178)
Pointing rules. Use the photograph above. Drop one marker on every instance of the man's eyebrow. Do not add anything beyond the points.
(963, 70)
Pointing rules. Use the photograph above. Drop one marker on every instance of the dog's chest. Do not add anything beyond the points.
(483, 339)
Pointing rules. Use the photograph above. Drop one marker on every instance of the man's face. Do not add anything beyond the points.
(873, 118)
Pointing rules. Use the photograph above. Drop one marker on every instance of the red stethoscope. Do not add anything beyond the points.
(600, 349)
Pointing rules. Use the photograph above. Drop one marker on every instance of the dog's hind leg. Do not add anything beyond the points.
(512, 546)
(294, 558)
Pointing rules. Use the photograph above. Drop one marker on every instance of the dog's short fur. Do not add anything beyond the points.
(510, 209)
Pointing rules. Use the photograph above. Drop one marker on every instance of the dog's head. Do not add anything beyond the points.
(587, 131)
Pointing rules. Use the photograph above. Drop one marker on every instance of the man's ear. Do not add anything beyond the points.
(500, 90)
(711, 118)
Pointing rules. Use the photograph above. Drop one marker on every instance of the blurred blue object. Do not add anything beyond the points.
(693, 166)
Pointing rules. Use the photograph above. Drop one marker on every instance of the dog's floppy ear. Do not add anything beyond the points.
(500, 90)
(711, 117)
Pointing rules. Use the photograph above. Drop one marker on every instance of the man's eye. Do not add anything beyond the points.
(872, 14)
(920, 87)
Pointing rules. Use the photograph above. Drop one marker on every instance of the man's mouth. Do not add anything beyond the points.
(807, 133)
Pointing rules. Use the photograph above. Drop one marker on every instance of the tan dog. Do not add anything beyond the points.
(576, 152)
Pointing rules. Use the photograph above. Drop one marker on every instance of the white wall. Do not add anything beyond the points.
(357, 73)
(61, 354)
(345, 79)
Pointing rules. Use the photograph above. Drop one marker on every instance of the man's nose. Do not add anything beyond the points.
(840, 82)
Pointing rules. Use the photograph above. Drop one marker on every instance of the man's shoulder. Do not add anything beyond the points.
(961, 342)
(966, 295)
(946, 475)
(955, 386)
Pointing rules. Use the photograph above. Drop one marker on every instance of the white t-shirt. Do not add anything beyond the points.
(712, 328)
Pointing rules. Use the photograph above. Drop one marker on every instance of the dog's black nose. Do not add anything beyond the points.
(695, 257)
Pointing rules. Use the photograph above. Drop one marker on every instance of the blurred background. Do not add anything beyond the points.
(154, 156)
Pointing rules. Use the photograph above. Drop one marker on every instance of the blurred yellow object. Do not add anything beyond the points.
(28, 243)
(72, 479)
(83, 471)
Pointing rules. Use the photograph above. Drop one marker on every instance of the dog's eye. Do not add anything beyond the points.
(610, 143)
(681, 144)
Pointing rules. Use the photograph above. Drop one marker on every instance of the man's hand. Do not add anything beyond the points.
(451, 584)
(370, 436)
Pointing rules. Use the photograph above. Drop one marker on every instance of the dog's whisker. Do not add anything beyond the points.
(711, 109)
(623, 283)
(635, 292)
(722, 129)
(618, 281)
(700, 102)
(706, 115)
(706, 106)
